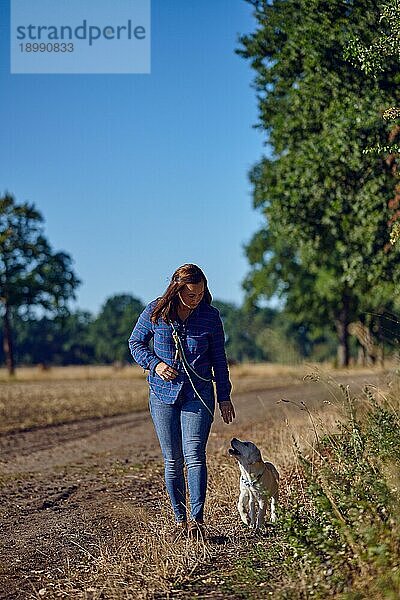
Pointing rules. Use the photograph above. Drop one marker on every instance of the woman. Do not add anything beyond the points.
(187, 354)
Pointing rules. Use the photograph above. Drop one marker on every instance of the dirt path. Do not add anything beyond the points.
(57, 483)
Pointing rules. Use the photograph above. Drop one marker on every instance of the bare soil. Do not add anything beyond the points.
(59, 484)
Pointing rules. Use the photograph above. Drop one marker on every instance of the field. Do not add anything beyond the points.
(85, 514)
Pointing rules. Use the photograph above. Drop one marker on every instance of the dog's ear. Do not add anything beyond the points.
(255, 452)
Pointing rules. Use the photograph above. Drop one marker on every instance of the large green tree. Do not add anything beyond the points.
(31, 274)
(325, 246)
(373, 58)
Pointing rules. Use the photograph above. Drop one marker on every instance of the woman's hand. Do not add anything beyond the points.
(165, 371)
(227, 411)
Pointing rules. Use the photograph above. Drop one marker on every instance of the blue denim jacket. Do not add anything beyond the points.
(203, 340)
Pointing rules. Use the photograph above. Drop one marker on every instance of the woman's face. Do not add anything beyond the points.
(192, 294)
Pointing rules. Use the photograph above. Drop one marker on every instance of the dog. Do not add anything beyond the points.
(259, 484)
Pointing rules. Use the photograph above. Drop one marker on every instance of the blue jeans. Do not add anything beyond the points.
(183, 429)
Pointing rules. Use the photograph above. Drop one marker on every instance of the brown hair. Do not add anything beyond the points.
(167, 305)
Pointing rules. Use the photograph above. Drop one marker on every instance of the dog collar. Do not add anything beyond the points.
(252, 482)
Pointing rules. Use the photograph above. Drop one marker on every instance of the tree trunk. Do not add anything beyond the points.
(342, 323)
(7, 342)
(380, 344)
(361, 358)
(381, 355)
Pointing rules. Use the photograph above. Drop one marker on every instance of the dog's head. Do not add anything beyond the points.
(246, 453)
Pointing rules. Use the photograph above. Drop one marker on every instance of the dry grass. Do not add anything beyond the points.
(78, 373)
(140, 563)
(268, 371)
(24, 405)
(64, 394)
(132, 558)
(136, 560)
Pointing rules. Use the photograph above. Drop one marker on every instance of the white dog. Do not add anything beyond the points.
(258, 484)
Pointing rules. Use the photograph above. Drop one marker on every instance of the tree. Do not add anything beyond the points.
(325, 247)
(373, 55)
(111, 329)
(373, 58)
(60, 340)
(31, 274)
(242, 326)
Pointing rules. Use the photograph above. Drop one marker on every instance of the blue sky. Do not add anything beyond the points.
(137, 174)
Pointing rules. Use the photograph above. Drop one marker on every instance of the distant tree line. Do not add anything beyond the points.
(73, 338)
(253, 334)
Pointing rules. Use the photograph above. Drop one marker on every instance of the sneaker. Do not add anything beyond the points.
(179, 532)
(196, 531)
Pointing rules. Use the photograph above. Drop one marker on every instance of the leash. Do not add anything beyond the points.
(180, 353)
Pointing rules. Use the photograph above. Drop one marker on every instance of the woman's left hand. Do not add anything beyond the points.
(227, 411)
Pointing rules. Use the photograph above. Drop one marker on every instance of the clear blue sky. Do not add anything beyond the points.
(137, 174)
